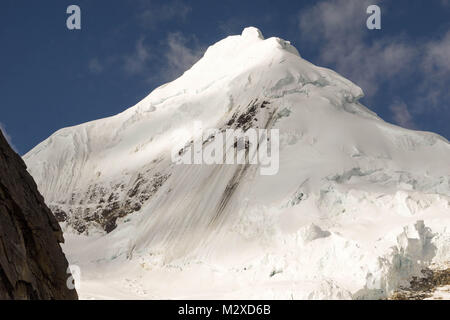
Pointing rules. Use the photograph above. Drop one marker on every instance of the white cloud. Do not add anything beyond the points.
(373, 59)
(95, 66)
(179, 57)
(438, 55)
(153, 13)
(338, 27)
(401, 115)
(136, 62)
(334, 20)
(164, 62)
(435, 67)
(150, 15)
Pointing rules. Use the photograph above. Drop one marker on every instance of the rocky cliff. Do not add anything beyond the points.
(32, 264)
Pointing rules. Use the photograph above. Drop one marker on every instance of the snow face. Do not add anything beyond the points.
(357, 207)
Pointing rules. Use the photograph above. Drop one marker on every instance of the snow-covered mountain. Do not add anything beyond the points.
(357, 207)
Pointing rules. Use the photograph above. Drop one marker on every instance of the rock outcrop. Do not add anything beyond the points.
(32, 263)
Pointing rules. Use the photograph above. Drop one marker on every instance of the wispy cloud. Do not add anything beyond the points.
(401, 115)
(438, 55)
(150, 14)
(165, 61)
(433, 93)
(338, 28)
(153, 13)
(95, 66)
(136, 61)
(179, 56)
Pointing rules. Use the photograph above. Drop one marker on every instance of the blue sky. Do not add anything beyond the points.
(51, 77)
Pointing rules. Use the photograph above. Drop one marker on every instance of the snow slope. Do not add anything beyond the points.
(358, 205)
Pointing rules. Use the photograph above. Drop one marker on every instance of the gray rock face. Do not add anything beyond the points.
(32, 264)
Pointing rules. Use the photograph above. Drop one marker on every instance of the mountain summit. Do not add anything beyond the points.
(357, 207)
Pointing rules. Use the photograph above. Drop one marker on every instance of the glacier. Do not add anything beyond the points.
(358, 206)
